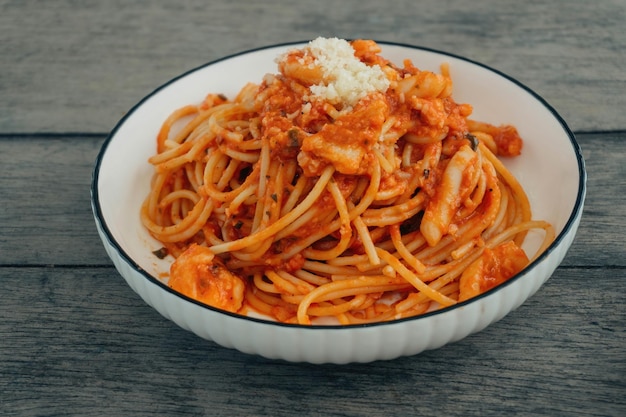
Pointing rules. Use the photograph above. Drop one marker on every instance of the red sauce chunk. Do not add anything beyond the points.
(494, 267)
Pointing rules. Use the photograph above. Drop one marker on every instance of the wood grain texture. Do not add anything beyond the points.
(80, 342)
(78, 66)
(76, 340)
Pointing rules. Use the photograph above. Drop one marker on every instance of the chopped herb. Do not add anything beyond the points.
(238, 225)
(274, 197)
(243, 173)
(161, 253)
(426, 173)
(293, 138)
(473, 140)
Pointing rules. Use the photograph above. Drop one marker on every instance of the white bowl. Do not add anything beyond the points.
(551, 169)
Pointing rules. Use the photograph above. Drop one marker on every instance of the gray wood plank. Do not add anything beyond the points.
(46, 215)
(80, 342)
(78, 66)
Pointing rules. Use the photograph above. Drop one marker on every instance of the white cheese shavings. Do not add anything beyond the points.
(346, 80)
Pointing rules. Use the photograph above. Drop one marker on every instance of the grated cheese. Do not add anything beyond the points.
(346, 79)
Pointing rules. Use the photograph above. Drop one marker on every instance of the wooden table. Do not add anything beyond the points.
(76, 340)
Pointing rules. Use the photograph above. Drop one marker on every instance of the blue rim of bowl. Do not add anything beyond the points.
(576, 212)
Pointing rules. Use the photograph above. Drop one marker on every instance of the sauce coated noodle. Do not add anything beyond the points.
(300, 200)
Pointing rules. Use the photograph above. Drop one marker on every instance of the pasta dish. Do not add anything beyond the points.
(344, 188)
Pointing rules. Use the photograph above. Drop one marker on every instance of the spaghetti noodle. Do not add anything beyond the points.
(343, 186)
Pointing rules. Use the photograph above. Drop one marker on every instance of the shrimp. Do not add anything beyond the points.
(456, 185)
(348, 142)
(494, 267)
(301, 67)
(199, 274)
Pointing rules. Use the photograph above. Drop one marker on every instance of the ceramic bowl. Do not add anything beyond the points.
(551, 169)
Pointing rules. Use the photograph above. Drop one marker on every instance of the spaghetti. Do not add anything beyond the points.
(342, 187)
